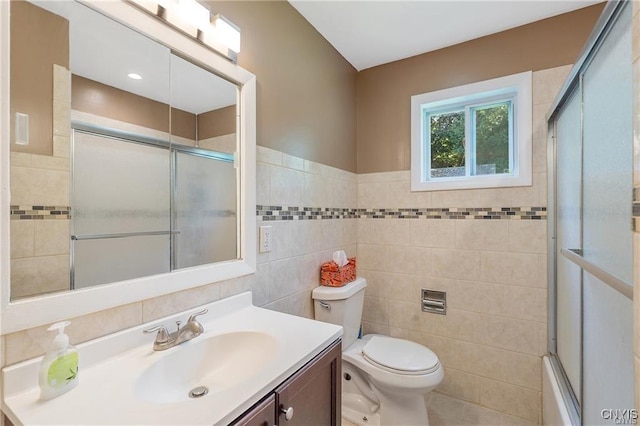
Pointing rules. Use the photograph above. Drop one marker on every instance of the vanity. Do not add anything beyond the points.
(250, 366)
(259, 367)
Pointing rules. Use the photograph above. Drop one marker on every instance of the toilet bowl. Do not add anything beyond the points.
(385, 380)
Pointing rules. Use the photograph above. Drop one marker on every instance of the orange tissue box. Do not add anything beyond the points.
(334, 276)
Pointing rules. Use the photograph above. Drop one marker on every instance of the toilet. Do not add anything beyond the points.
(384, 379)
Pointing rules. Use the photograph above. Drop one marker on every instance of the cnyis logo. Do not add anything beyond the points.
(626, 416)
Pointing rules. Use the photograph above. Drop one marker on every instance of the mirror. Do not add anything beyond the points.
(128, 164)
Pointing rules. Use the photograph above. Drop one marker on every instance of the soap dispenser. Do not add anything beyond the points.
(59, 367)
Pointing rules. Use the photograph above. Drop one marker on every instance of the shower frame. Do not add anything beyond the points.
(130, 137)
(574, 86)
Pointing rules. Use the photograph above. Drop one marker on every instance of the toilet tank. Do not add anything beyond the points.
(341, 306)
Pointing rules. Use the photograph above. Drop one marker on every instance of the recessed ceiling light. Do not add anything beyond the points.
(135, 76)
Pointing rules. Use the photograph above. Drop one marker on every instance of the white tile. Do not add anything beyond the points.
(433, 233)
(263, 184)
(287, 187)
(269, 156)
(22, 238)
(527, 236)
(453, 263)
(292, 162)
(489, 235)
(521, 269)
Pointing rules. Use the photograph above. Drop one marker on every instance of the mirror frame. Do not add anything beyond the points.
(40, 310)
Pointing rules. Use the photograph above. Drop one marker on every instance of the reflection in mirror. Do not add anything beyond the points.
(204, 219)
(121, 177)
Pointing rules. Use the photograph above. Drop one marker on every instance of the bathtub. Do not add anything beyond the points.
(555, 411)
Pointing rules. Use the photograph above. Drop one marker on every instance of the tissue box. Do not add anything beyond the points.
(334, 276)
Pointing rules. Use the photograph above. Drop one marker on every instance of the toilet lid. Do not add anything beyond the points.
(400, 356)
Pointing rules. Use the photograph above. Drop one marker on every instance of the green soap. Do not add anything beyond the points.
(63, 371)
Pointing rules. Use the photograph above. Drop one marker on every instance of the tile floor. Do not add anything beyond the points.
(447, 411)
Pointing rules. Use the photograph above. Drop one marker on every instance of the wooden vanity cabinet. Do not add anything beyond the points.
(311, 396)
(261, 414)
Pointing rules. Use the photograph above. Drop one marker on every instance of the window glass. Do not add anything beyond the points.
(446, 132)
(492, 129)
(472, 136)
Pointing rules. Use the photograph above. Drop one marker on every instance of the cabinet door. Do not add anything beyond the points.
(312, 396)
(263, 414)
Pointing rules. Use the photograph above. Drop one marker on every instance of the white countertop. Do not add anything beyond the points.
(111, 365)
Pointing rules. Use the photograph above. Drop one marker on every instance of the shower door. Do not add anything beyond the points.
(142, 206)
(591, 236)
(121, 209)
(204, 208)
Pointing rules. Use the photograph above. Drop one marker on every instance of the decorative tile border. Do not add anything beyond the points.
(40, 212)
(530, 213)
(267, 213)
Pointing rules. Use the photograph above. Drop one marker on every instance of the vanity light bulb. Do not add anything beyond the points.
(194, 13)
(227, 33)
(134, 76)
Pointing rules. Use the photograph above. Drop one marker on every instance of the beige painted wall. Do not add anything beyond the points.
(218, 122)
(39, 40)
(106, 101)
(306, 90)
(384, 92)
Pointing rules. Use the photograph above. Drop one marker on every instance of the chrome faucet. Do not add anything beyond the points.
(165, 340)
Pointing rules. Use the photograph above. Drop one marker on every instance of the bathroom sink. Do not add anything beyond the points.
(244, 353)
(215, 363)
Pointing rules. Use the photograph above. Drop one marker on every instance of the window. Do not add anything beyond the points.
(473, 136)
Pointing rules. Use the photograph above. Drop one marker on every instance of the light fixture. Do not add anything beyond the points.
(188, 15)
(227, 32)
(22, 129)
(134, 76)
(194, 19)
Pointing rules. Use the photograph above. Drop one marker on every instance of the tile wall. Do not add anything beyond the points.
(285, 276)
(40, 206)
(494, 272)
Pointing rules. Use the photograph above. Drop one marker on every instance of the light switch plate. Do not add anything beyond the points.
(265, 239)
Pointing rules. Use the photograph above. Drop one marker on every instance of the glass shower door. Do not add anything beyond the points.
(121, 209)
(205, 217)
(607, 235)
(569, 234)
(593, 237)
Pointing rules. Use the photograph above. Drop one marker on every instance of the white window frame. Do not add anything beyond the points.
(515, 88)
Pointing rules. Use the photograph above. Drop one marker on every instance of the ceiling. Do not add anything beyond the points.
(106, 51)
(371, 32)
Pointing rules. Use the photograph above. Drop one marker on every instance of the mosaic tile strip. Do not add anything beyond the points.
(40, 212)
(530, 213)
(267, 213)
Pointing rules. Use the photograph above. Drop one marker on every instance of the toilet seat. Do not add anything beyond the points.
(399, 356)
